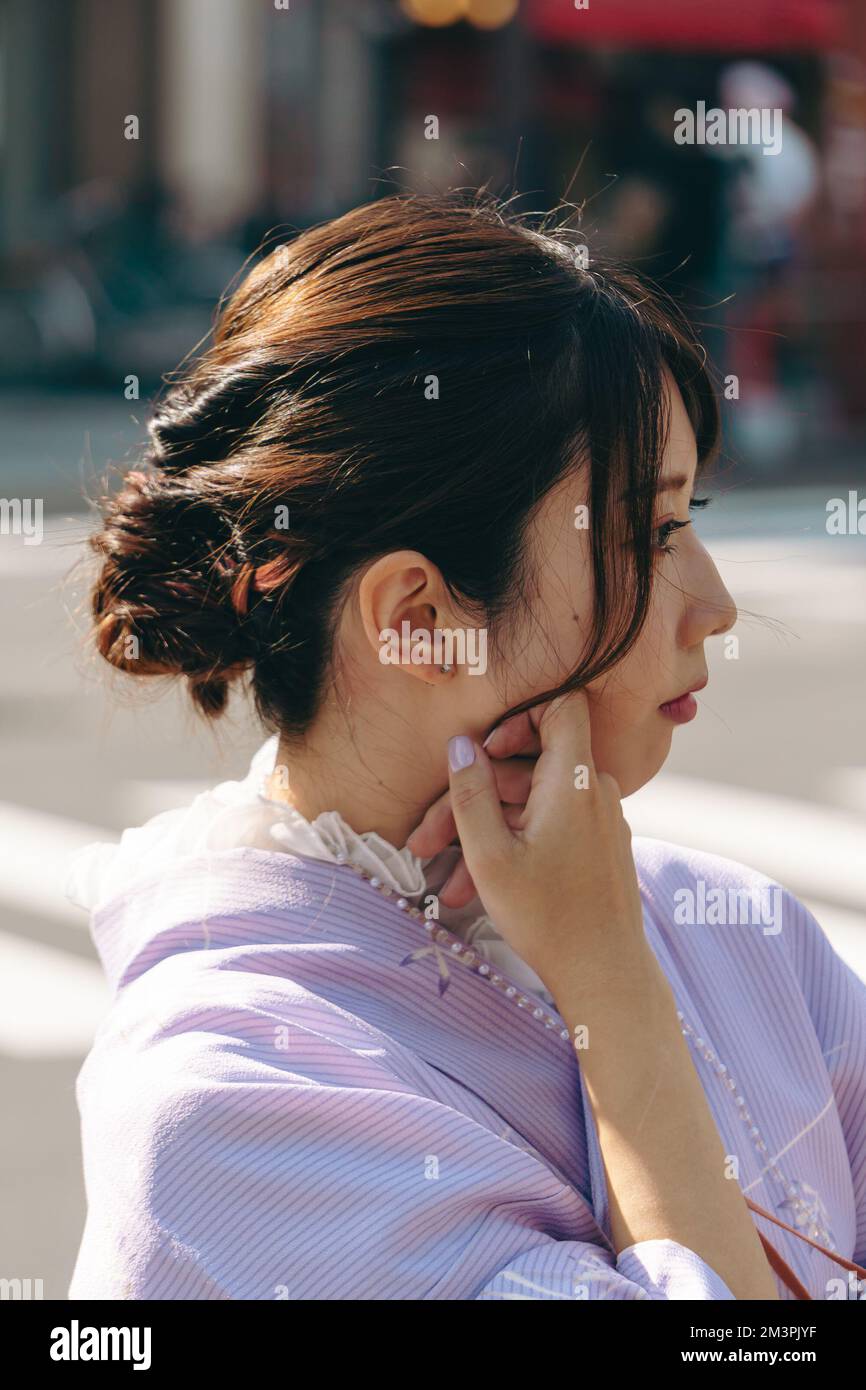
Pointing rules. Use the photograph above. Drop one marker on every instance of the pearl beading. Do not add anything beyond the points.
(805, 1212)
(468, 956)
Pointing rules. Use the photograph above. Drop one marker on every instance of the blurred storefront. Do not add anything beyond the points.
(253, 119)
(728, 25)
(765, 252)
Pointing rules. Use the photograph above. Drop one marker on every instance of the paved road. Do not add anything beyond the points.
(773, 772)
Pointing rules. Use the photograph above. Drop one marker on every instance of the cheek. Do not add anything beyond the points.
(643, 679)
(619, 713)
(630, 739)
(541, 656)
(628, 696)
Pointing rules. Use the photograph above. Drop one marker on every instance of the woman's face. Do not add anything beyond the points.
(631, 731)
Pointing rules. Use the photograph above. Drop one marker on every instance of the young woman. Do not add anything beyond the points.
(396, 1023)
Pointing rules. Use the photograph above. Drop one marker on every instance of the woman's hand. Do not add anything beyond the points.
(514, 746)
(558, 877)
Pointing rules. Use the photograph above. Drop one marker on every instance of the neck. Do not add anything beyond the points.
(375, 782)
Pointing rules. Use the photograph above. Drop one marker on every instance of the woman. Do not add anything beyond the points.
(388, 1026)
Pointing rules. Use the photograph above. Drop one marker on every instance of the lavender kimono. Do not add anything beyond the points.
(298, 1093)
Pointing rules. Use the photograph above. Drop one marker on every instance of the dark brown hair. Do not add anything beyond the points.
(312, 398)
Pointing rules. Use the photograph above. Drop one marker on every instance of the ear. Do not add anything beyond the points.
(403, 600)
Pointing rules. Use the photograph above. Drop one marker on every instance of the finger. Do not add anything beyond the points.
(438, 828)
(564, 726)
(435, 830)
(514, 779)
(475, 804)
(459, 888)
(566, 743)
(513, 736)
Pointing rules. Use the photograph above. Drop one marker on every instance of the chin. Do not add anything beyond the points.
(633, 772)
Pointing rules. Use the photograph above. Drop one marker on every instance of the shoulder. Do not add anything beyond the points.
(685, 887)
(745, 910)
(256, 1149)
(223, 1117)
(661, 862)
(200, 1016)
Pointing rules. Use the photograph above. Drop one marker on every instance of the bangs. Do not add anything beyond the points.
(611, 382)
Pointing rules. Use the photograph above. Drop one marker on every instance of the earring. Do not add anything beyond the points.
(445, 669)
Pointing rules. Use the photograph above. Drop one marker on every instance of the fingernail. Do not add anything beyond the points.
(461, 752)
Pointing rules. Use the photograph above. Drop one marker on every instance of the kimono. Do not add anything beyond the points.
(305, 1089)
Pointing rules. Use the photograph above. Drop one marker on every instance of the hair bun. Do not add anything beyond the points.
(162, 602)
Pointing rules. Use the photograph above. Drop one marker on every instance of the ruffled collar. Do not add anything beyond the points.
(242, 812)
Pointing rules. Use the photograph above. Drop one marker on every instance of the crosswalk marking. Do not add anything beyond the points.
(36, 847)
(51, 1002)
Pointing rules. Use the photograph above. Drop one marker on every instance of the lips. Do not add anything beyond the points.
(683, 708)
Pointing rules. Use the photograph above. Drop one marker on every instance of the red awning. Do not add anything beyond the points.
(715, 25)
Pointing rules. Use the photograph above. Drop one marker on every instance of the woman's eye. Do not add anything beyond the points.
(664, 532)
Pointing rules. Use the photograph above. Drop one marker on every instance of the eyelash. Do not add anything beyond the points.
(668, 527)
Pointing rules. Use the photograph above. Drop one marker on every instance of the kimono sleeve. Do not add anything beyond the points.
(241, 1180)
(651, 1269)
(836, 999)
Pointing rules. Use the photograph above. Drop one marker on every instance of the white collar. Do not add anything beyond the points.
(237, 813)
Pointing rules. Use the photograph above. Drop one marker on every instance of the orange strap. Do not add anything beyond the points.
(781, 1267)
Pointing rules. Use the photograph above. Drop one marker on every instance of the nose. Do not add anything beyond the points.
(712, 611)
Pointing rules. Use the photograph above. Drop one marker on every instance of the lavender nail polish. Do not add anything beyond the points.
(461, 752)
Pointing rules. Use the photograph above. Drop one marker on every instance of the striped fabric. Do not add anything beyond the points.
(296, 1095)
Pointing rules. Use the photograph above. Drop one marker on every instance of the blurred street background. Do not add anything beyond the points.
(146, 149)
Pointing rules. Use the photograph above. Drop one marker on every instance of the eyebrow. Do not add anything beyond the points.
(671, 483)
